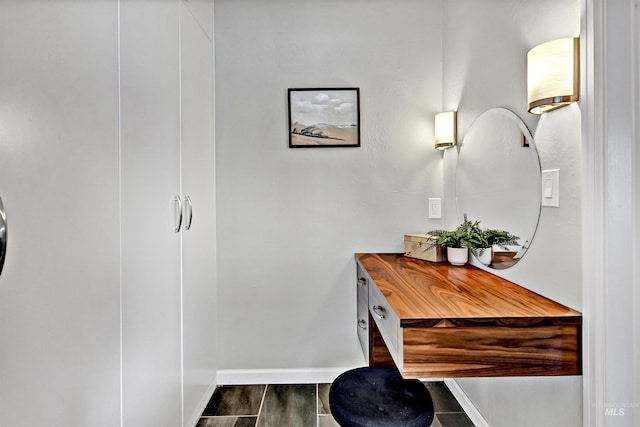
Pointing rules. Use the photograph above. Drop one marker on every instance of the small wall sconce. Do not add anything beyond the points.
(445, 130)
(553, 75)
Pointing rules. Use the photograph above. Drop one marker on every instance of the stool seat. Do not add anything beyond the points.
(376, 396)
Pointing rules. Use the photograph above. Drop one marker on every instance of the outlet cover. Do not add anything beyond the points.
(435, 208)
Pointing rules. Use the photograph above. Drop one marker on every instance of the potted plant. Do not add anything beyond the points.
(484, 240)
(469, 236)
(500, 238)
(493, 237)
(458, 242)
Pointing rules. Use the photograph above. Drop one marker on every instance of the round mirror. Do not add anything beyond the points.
(498, 182)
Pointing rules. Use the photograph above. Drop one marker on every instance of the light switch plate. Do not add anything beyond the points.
(551, 188)
(435, 208)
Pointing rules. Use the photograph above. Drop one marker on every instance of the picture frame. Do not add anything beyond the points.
(324, 117)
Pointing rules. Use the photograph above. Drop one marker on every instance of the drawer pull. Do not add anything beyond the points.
(379, 311)
(362, 281)
(362, 324)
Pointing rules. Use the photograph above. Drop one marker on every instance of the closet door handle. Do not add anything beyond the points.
(177, 214)
(189, 210)
(3, 234)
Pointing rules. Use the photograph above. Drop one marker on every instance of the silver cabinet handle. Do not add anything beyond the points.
(379, 311)
(3, 234)
(189, 209)
(177, 221)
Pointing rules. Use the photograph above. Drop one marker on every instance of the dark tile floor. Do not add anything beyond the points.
(303, 405)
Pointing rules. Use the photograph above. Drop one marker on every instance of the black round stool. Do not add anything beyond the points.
(379, 397)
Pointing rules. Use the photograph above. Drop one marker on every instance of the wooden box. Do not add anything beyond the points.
(417, 246)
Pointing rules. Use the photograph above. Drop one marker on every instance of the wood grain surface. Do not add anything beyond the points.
(457, 321)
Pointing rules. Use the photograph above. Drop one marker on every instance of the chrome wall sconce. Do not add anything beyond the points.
(553, 75)
(445, 130)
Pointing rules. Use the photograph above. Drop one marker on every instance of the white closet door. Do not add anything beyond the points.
(59, 290)
(198, 184)
(151, 318)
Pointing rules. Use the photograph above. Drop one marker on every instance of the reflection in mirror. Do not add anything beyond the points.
(498, 180)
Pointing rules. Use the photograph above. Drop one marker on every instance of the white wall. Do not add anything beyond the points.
(289, 220)
(485, 47)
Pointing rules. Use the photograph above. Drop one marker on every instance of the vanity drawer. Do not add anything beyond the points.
(363, 312)
(387, 321)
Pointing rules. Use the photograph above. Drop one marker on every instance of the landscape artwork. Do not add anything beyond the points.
(324, 117)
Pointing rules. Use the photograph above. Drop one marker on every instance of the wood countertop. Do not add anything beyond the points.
(426, 291)
(446, 320)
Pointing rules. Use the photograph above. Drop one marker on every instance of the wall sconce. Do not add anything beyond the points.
(445, 130)
(553, 75)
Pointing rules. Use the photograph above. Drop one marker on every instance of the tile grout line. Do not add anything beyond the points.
(319, 404)
(226, 416)
(264, 396)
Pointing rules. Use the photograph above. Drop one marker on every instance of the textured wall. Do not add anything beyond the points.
(289, 220)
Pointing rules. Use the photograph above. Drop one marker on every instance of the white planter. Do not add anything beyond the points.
(458, 256)
(484, 255)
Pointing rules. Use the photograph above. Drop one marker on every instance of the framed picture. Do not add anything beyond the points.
(324, 117)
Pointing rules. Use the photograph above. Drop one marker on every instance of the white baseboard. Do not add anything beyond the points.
(279, 376)
(466, 403)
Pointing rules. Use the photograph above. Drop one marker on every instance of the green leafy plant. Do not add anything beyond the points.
(469, 234)
(466, 235)
(500, 238)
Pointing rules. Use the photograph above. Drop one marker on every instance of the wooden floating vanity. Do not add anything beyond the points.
(435, 320)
